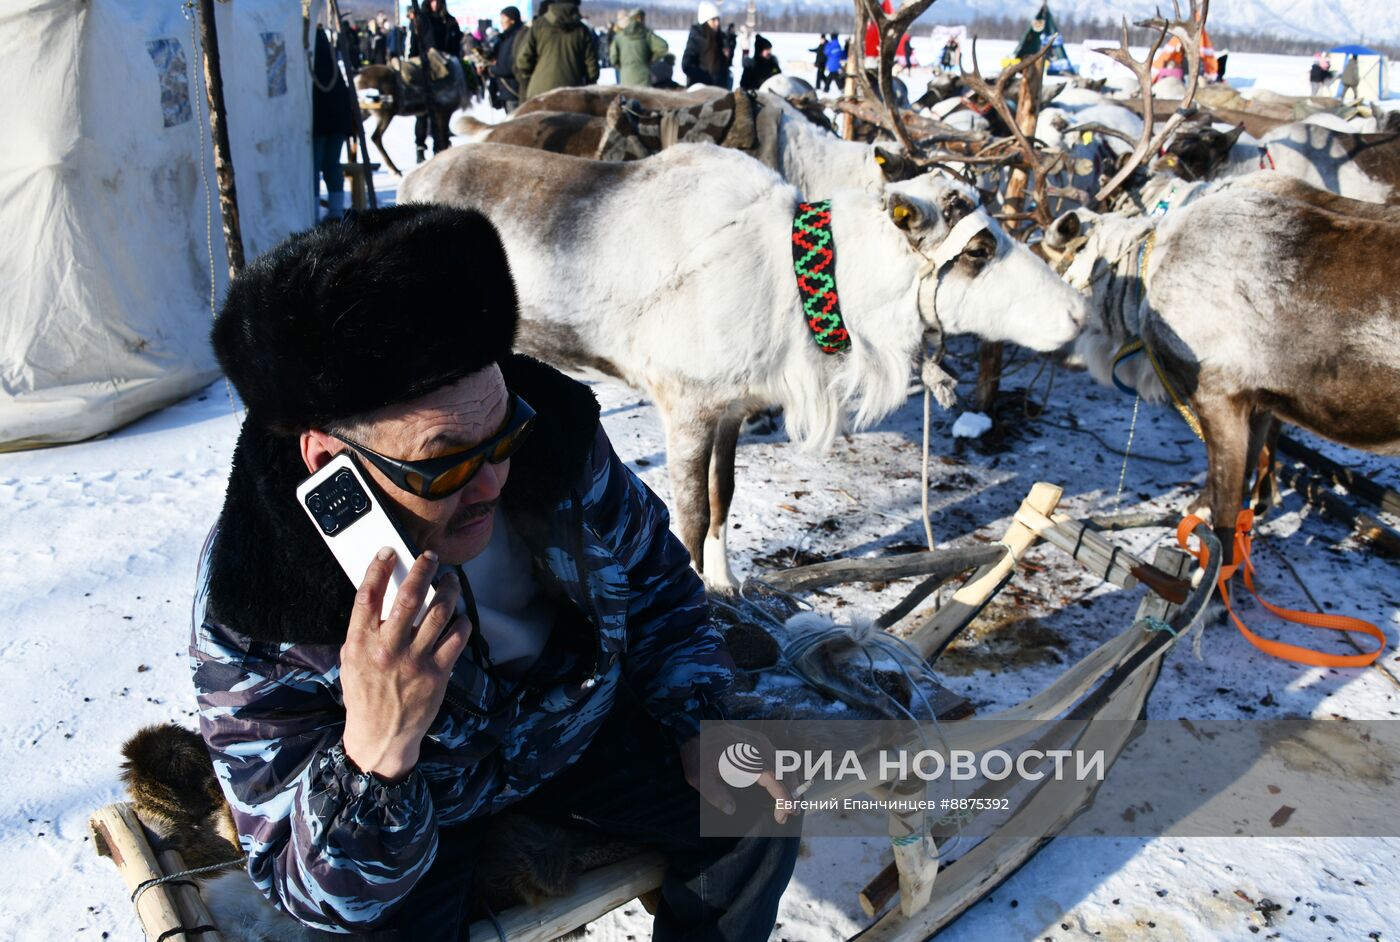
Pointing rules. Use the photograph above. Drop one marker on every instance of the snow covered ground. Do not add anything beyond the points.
(98, 543)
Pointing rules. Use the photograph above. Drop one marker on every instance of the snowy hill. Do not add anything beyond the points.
(1323, 20)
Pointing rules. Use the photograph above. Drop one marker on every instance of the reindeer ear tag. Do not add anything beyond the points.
(1087, 137)
(902, 215)
(879, 158)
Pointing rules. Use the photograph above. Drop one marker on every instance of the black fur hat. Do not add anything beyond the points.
(354, 315)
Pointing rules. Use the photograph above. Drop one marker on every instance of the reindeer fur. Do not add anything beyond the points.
(1282, 329)
(674, 274)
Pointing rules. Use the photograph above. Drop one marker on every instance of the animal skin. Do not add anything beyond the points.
(675, 275)
(1283, 331)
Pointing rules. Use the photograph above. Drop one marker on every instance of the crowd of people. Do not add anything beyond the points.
(511, 61)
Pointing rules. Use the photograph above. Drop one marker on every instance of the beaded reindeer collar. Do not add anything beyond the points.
(814, 264)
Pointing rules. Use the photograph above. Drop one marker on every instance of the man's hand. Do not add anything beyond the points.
(714, 790)
(393, 675)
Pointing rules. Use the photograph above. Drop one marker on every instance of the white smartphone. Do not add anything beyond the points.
(350, 516)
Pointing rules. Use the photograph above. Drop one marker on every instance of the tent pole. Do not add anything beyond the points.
(218, 126)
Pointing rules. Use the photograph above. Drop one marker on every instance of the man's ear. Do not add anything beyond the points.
(904, 213)
(317, 449)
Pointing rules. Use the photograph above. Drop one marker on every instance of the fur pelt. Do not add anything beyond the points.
(271, 576)
(358, 314)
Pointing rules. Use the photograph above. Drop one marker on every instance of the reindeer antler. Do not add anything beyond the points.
(994, 94)
(889, 29)
(1189, 35)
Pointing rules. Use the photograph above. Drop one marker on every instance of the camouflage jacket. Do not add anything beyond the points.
(337, 849)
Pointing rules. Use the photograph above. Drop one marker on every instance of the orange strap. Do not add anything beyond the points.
(1244, 525)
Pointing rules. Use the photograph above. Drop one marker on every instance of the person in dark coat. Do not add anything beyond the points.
(559, 51)
(663, 71)
(760, 67)
(703, 61)
(445, 35)
(820, 60)
(331, 124)
(505, 89)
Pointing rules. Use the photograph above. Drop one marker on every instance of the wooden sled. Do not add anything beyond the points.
(1111, 684)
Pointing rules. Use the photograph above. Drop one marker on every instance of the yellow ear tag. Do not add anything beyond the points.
(1087, 137)
(880, 159)
(901, 213)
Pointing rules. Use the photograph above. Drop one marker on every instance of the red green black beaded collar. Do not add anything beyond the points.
(814, 263)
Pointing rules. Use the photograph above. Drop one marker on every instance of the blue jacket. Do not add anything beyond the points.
(337, 849)
(835, 55)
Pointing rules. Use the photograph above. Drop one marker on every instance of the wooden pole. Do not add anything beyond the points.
(989, 355)
(848, 120)
(218, 126)
(117, 833)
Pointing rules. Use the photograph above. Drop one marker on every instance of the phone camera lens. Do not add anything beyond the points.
(328, 523)
(316, 502)
(358, 501)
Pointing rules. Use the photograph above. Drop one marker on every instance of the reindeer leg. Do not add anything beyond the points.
(1225, 422)
(1263, 436)
(381, 122)
(716, 559)
(690, 439)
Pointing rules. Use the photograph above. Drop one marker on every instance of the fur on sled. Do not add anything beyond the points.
(170, 779)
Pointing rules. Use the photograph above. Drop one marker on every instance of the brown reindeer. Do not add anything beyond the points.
(1263, 300)
(400, 95)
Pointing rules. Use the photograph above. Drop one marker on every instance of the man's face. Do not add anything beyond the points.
(450, 419)
(506, 22)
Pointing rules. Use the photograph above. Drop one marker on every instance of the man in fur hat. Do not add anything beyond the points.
(363, 758)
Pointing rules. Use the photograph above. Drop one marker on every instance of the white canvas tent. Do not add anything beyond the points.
(1373, 83)
(105, 262)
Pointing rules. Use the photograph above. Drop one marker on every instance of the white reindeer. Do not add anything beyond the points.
(675, 274)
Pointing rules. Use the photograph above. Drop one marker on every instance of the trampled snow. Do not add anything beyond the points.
(98, 543)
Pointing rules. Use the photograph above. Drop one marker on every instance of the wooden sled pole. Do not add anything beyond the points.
(1358, 484)
(1123, 697)
(932, 635)
(597, 892)
(947, 564)
(118, 833)
(1316, 490)
(218, 127)
(194, 915)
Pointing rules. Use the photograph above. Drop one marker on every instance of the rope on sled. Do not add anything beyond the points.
(872, 642)
(183, 877)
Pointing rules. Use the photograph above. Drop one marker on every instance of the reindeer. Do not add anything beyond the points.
(393, 98)
(675, 274)
(815, 161)
(1280, 331)
(1359, 166)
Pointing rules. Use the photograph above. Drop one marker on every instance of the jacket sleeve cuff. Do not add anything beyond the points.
(684, 722)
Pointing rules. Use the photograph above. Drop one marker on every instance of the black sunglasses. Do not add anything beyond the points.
(436, 478)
